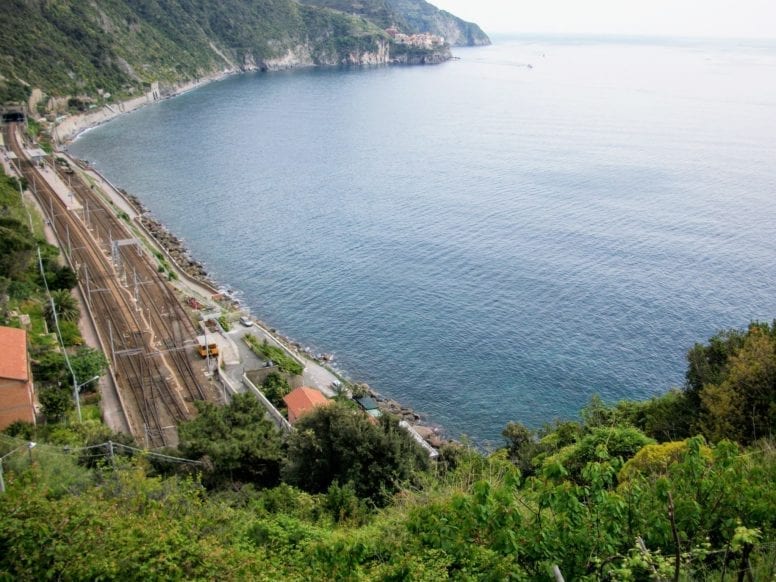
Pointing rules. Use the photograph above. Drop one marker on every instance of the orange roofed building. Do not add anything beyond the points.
(16, 401)
(302, 400)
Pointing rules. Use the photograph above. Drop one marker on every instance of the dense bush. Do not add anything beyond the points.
(337, 444)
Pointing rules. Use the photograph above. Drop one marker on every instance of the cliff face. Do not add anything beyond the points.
(421, 16)
(455, 31)
(112, 50)
(410, 16)
(402, 55)
(377, 52)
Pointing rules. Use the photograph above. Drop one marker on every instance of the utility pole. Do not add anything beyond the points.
(88, 288)
(137, 294)
(207, 348)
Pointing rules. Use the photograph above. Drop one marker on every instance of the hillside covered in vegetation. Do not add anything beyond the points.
(411, 16)
(117, 47)
(679, 487)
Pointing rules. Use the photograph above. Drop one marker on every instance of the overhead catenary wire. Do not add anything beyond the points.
(67, 451)
(50, 299)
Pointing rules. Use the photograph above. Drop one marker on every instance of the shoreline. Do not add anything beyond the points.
(213, 291)
(70, 128)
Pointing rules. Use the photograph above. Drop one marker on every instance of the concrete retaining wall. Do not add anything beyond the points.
(279, 419)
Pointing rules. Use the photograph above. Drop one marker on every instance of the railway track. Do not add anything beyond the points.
(148, 332)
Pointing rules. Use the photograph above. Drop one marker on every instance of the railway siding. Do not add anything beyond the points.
(143, 327)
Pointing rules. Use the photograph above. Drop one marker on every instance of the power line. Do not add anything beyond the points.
(67, 450)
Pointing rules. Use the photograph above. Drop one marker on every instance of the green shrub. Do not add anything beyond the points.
(279, 356)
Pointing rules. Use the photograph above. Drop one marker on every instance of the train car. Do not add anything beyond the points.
(203, 349)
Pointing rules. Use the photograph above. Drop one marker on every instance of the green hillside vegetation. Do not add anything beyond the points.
(411, 16)
(424, 17)
(116, 46)
(43, 298)
(377, 11)
(120, 47)
(673, 488)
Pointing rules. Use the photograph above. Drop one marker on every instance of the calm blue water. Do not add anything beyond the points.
(481, 240)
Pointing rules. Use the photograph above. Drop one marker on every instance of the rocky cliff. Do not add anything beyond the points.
(411, 16)
(424, 17)
(93, 52)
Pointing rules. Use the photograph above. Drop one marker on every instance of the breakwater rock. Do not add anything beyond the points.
(174, 246)
(434, 435)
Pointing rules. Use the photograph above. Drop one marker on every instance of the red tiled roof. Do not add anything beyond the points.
(302, 400)
(13, 353)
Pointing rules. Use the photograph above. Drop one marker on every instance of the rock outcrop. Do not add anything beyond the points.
(113, 51)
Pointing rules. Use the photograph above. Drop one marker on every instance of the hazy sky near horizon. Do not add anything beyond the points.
(706, 18)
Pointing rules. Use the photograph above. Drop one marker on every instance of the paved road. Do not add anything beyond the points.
(314, 375)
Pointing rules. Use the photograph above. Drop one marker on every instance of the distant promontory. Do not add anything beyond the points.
(65, 57)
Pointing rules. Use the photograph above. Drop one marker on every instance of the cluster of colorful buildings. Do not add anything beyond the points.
(424, 40)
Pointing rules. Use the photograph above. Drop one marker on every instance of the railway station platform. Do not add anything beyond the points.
(62, 190)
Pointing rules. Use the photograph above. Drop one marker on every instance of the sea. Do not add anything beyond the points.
(493, 239)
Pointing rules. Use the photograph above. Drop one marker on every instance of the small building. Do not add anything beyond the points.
(37, 155)
(302, 400)
(16, 397)
(369, 405)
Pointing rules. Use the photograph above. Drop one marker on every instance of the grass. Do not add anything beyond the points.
(91, 412)
(223, 321)
(278, 355)
(37, 220)
(35, 310)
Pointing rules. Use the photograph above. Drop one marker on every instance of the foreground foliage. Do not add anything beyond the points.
(35, 282)
(336, 444)
(679, 487)
(708, 511)
(98, 52)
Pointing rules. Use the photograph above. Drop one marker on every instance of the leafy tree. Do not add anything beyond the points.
(71, 335)
(742, 405)
(597, 413)
(275, 387)
(238, 441)
(55, 401)
(66, 307)
(5, 284)
(50, 368)
(87, 363)
(16, 247)
(654, 459)
(61, 277)
(706, 364)
(522, 446)
(336, 444)
(600, 444)
(20, 429)
(344, 505)
(665, 418)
